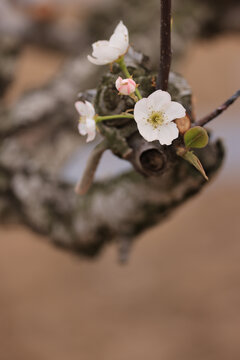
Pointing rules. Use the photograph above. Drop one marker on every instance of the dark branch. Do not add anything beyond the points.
(165, 50)
(219, 110)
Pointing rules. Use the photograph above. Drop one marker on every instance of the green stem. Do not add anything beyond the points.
(111, 117)
(124, 69)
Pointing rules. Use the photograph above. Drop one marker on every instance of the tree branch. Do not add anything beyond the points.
(115, 209)
(219, 110)
(32, 188)
(165, 49)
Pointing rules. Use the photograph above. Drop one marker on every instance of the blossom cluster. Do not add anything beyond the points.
(154, 115)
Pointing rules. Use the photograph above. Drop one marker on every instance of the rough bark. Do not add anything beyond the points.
(38, 136)
(120, 208)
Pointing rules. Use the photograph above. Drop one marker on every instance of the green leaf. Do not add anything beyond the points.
(194, 160)
(196, 137)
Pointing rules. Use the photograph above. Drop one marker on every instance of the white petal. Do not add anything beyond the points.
(141, 110)
(90, 109)
(120, 38)
(121, 29)
(106, 52)
(91, 129)
(97, 61)
(167, 133)
(90, 123)
(158, 99)
(173, 111)
(99, 43)
(81, 108)
(119, 41)
(82, 129)
(100, 50)
(141, 115)
(91, 136)
(147, 131)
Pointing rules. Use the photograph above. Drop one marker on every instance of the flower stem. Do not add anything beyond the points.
(111, 117)
(124, 69)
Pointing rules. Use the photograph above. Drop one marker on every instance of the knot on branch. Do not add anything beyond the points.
(149, 159)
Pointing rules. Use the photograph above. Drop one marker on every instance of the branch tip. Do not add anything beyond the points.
(206, 119)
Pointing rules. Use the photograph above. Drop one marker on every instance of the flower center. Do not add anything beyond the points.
(156, 118)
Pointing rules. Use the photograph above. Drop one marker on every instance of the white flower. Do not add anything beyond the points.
(154, 116)
(106, 52)
(87, 124)
(125, 86)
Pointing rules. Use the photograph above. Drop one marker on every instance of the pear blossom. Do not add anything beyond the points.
(108, 51)
(125, 86)
(87, 124)
(154, 117)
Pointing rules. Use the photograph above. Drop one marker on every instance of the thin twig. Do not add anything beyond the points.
(112, 117)
(165, 49)
(86, 181)
(219, 110)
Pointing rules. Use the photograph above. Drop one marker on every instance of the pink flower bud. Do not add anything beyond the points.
(125, 86)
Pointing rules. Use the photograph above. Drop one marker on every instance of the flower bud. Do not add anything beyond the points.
(125, 86)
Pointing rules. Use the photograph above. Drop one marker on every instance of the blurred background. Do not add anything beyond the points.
(178, 297)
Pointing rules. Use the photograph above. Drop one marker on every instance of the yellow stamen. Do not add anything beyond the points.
(156, 118)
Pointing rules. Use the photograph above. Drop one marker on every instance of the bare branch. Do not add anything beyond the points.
(165, 50)
(93, 161)
(219, 110)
